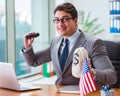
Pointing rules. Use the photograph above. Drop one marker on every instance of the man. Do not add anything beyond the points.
(66, 19)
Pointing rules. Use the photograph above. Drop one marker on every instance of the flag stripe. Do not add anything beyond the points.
(89, 85)
(92, 81)
(86, 84)
(81, 88)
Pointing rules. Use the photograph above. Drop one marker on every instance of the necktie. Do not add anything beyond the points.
(64, 55)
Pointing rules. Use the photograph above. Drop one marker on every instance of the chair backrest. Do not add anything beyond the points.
(113, 49)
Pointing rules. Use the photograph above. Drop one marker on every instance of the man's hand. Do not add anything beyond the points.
(28, 42)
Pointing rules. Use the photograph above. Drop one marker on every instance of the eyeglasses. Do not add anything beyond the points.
(63, 20)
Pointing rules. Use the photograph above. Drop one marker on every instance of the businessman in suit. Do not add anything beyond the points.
(65, 20)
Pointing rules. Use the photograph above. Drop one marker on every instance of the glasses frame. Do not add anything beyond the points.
(62, 20)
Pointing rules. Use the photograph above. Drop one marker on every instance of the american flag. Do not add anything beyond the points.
(86, 84)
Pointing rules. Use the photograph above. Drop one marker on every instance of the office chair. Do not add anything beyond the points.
(113, 49)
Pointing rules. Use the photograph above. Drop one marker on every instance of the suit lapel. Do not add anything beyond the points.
(79, 43)
(57, 55)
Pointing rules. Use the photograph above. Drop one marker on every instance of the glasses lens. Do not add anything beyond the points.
(66, 19)
(56, 20)
(63, 20)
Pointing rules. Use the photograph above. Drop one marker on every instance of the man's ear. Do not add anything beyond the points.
(76, 20)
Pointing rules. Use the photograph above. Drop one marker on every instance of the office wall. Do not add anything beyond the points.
(99, 9)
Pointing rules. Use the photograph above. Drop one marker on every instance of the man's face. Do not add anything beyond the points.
(64, 24)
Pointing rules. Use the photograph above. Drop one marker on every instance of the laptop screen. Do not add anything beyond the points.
(8, 78)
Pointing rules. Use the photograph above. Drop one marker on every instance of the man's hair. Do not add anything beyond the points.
(67, 7)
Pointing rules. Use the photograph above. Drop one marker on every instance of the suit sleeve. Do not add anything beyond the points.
(105, 72)
(35, 59)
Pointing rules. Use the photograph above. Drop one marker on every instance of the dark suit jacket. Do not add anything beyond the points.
(105, 72)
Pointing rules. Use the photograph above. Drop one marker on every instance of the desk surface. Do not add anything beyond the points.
(47, 90)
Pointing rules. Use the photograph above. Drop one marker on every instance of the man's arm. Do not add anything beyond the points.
(103, 69)
(35, 59)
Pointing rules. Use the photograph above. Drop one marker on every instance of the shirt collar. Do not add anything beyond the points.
(72, 39)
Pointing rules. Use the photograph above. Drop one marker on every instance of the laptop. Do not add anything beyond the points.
(8, 79)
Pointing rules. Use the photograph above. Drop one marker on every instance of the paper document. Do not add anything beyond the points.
(69, 89)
